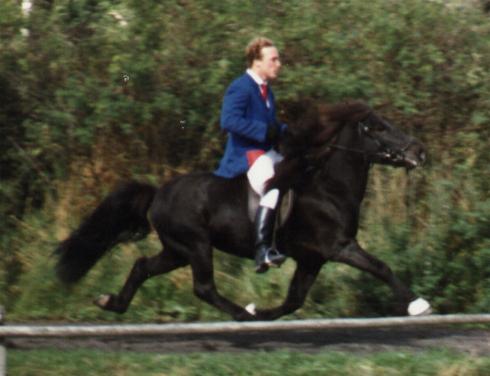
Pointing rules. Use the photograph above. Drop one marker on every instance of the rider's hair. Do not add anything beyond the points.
(254, 49)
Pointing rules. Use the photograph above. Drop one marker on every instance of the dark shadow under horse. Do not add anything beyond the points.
(328, 153)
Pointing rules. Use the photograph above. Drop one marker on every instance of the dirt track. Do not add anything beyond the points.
(470, 341)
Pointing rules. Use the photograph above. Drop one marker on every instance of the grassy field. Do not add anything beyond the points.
(94, 363)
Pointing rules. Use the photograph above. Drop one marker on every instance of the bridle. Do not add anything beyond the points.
(383, 151)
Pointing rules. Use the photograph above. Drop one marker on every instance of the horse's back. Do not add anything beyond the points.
(206, 207)
(195, 190)
(183, 197)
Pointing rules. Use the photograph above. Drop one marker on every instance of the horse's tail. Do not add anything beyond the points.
(120, 217)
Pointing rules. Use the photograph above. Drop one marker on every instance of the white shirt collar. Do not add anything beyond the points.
(256, 77)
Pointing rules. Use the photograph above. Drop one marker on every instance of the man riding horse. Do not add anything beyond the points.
(249, 116)
(328, 153)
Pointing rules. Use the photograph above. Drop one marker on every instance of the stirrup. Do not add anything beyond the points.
(272, 258)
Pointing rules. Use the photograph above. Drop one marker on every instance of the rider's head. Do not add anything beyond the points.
(263, 58)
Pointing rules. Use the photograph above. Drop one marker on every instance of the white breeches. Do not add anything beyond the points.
(258, 175)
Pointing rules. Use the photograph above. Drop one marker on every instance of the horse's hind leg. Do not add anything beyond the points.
(357, 257)
(143, 268)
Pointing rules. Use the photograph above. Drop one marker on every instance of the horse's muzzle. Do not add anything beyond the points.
(414, 155)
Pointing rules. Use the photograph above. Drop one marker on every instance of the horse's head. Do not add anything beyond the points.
(352, 129)
(383, 143)
(319, 129)
(356, 129)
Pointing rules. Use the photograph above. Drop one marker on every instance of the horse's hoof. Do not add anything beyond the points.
(246, 315)
(419, 307)
(102, 301)
(251, 309)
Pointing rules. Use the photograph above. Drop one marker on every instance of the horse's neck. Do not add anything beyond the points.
(344, 175)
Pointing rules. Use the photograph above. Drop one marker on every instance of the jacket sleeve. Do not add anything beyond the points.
(233, 115)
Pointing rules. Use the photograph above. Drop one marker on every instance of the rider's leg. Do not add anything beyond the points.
(260, 172)
(265, 219)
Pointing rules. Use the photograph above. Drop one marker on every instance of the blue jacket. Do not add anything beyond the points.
(245, 116)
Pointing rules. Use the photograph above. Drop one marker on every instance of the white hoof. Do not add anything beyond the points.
(419, 307)
(251, 309)
(102, 300)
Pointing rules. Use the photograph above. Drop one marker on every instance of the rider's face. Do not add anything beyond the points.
(268, 67)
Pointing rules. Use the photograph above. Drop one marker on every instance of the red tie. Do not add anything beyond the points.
(263, 91)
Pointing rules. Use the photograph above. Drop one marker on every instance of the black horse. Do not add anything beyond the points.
(328, 153)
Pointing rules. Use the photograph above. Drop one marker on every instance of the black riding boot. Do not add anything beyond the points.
(265, 255)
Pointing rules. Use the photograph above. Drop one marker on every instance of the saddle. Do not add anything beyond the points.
(283, 210)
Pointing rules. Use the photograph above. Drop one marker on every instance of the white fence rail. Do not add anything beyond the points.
(7, 331)
(223, 327)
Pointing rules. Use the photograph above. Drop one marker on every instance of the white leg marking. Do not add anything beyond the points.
(251, 309)
(102, 300)
(419, 307)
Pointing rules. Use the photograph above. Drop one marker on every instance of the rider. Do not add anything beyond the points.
(248, 115)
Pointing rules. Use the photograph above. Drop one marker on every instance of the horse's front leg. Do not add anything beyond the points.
(357, 257)
(303, 279)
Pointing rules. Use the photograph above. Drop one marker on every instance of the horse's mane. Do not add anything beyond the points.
(311, 125)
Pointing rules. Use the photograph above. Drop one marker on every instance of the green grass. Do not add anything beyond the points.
(94, 363)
